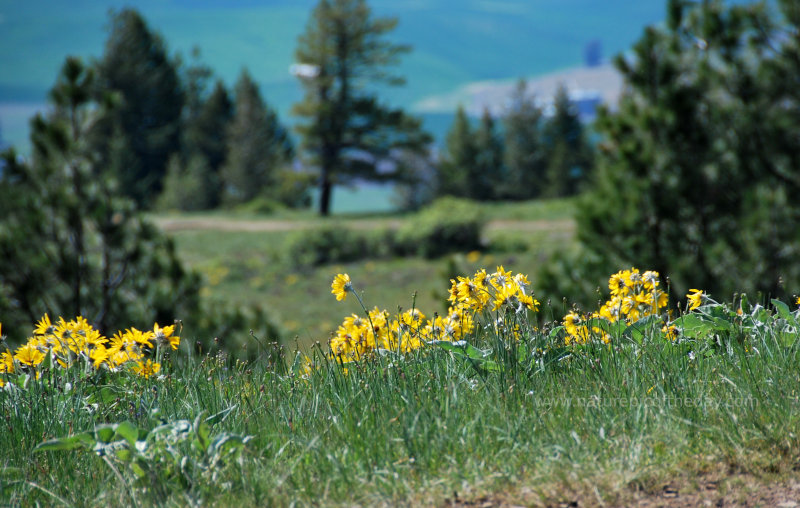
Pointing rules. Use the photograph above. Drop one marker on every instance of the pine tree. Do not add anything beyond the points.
(258, 146)
(347, 133)
(210, 126)
(69, 243)
(149, 100)
(524, 151)
(568, 154)
(488, 174)
(459, 158)
(698, 167)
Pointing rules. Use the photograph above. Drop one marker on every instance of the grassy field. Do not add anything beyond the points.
(244, 261)
(512, 414)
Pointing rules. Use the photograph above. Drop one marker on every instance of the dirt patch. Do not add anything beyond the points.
(731, 491)
(176, 224)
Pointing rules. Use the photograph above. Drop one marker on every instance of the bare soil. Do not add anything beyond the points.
(175, 224)
(738, 490)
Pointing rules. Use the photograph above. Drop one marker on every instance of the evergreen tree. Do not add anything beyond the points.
(190, 185)
(258, 146)
(458, 162)
(524, 151)
(209, 127)
(347, 133)
(488, 171)
(568, 154)
(142, 131)
(699, 165)
(69, 244)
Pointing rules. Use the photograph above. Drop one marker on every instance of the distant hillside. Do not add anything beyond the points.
(456, 42)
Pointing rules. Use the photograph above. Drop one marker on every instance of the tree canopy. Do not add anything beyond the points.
(347, 133)
(698, 171)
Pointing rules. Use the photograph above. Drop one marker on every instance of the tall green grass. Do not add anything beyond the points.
(530, 420)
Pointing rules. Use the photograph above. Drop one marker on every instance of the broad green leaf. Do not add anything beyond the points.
(201, 431)
(641, 329)
(784, 312)
(137, 468)
(127, 431)
(692, 325)
(82, 440)
(124, 454)
(225, 443)
(105, 433)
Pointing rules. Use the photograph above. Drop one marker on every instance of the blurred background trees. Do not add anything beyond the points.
(347, 133)
(698, 171)
(695, 174)
(70, 243)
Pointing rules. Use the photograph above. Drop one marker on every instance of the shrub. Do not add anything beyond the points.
(448, 225)
(332, 243)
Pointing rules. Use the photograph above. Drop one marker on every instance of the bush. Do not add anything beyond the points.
(332, 243)
(448, 225)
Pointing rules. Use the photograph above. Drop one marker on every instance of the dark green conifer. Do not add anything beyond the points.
(347, 133)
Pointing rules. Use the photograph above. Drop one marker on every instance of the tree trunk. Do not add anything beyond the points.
(325, 189)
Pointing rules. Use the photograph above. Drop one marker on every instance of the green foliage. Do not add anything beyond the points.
(508, 397)
(69, 243)
(328, 244)
(534, 157)
(569, 156)
(348, 134)
(191, 188)
(459, 157)
(447, 225)
(258, 146)
(524, 155)
(177, 456)
(141, 132)
(696, 169)
(484, 183)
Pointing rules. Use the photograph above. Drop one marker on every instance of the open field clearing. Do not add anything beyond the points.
(244, 261)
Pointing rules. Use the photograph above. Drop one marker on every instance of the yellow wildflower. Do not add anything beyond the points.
(166, 336)
(29, 355)
(695, 298)
(146, 368)
(341, 285)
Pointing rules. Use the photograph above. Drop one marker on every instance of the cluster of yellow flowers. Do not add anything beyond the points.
(77, 342)
(634, 295)
(358, 336)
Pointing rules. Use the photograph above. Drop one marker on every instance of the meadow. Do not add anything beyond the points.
(491, 395)
(244, 259)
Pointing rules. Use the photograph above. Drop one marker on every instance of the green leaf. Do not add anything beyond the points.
(297, 364)
(225, 443)
(137, 468)
(127, 431)
(124, 454)
(784, 312)
(557, 333)
(201, 431)
(641, 329)
(82, 440)
(692, 325)
(105, 433)
(615, 329)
